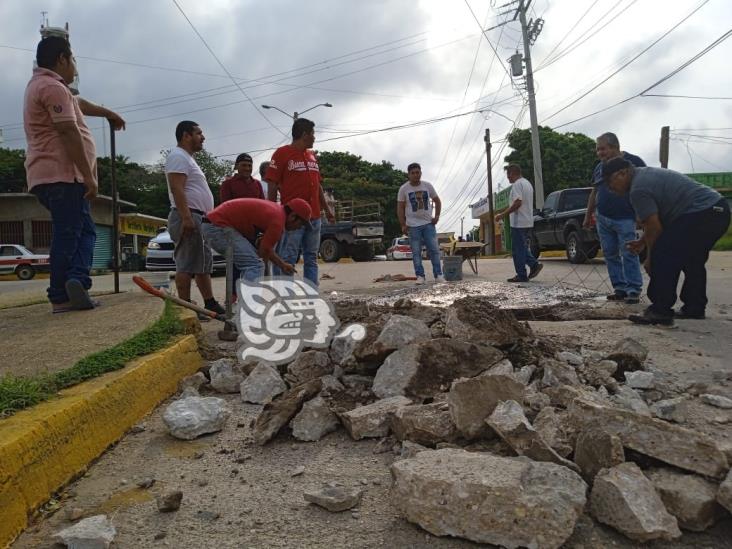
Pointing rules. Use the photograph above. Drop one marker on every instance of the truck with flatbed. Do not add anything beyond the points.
(357, 233)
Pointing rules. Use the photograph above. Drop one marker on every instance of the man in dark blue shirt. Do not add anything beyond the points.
(615, 224)
(681, 220)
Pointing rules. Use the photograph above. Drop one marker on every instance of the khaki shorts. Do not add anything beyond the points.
(192, 255)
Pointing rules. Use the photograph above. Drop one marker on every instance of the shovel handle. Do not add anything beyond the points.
(145, 285)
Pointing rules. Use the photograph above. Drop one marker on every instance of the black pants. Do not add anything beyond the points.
(684, 246)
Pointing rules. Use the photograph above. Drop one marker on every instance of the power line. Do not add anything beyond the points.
(687, 96)
(684, 65)
(664, 35)
(223, 67)
(548, 55)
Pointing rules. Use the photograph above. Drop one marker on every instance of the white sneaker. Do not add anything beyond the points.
(440, 278)
(420, 280)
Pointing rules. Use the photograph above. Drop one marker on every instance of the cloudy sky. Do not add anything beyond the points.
(387, 63)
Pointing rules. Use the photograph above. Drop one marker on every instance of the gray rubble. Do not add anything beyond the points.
(472, 400)
(672, 444)
(555, 427)
(421, 370)
(308, 365)
(425, 424)
(314, 421)
(690, 498)
(671, 409)
(262, 385)
(226, 376)
(639, 379)
(193, 416)
(399, 331)
(629, 399)
(511, 502)
(334, 498)
(278, 413)
(196, 381)
(717, 401)
(596, 450)
(724, 494)
(95, 532)
(622, 497)
(372, 420)
(510, 423)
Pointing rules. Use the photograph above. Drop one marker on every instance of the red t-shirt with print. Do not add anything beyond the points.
(297, 174)
(252, 217)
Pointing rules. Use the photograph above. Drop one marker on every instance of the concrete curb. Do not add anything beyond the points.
(45, 447)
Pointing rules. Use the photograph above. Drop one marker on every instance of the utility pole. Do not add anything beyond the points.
(663, 149)
(461, 226)
(532, 31)
(491, 213)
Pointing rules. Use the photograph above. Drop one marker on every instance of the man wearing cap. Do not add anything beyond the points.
(681, 220)
(241, 185)
(615, 224)
(242, 220)
(294, 172)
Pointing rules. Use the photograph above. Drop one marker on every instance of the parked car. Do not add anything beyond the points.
(18, 259)
(399, 249)
(160, 255)
(558, 226)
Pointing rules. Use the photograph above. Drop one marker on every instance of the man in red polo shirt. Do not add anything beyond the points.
(242, 185)
(242, 220)
(294, 172)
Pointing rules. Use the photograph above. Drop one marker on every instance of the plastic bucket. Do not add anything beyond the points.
(452, 267)
(157, 279)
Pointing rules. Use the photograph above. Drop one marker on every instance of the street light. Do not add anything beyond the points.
(295, 115)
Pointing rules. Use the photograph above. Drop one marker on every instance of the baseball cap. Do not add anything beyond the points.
(301, 209)
(242, 157)
(614, 165)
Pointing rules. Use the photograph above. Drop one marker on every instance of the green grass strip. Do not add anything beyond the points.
(17, 393)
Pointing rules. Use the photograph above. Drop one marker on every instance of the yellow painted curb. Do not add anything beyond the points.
(45, 447)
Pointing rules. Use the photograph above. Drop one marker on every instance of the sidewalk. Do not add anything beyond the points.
(37, 341)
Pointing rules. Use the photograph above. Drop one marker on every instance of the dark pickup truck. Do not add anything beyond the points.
(558, 226)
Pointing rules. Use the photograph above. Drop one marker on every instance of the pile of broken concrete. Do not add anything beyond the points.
(502, 437)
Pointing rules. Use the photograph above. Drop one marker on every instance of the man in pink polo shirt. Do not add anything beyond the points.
(61, 169)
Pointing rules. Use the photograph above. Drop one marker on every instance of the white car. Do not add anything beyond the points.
(160, 255)
(399, 249)
(18, 259)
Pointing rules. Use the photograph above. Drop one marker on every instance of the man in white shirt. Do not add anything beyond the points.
(190, 199)
(521, 212)
(414, 210)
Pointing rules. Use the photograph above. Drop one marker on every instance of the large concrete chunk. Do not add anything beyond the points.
(473, 400)
(596, 450)
(622, 497)
(684, 448)
(629, 399)
(510, 423)
(691, 499)
(372, 420)
(556, 429)
(279, 412)
(314, 421)
(475, 318)
(508, 502)
(425, 424)
(226, 376)
(421, 370)
(91, 533)
(724, 495)
(193, 416)
(399, 331)
(558, 373)
(262, 385)
(308, 365)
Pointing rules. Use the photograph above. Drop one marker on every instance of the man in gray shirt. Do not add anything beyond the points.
(681, 220)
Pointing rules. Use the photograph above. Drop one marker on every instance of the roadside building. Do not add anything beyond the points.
(24, 221)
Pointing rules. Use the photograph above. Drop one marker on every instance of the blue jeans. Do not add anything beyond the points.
(247, 264)
(622, 265)
(73, 236)
(427, 235)
(304, 240)
(521, 253)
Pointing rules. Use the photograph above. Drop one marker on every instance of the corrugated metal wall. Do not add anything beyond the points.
(103, 248)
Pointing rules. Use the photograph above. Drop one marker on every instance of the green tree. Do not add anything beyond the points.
(353, 178)
(567, 159)
(12, 171)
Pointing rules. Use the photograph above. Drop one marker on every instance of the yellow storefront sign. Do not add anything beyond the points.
(135, 225)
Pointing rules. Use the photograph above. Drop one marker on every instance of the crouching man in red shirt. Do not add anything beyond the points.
(241, 221)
